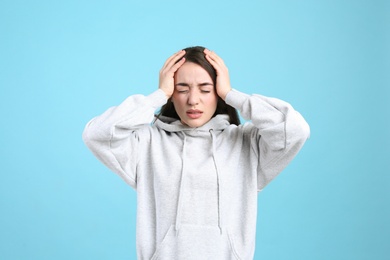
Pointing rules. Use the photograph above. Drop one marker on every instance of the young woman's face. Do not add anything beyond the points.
(194, 97)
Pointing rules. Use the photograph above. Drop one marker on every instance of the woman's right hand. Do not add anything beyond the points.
(167, 72)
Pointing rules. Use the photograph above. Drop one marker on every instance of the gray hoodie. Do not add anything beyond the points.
(197, 187)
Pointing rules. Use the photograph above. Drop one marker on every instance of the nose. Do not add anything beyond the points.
(193, 98)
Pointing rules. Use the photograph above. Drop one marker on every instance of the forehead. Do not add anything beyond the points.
(190, 71)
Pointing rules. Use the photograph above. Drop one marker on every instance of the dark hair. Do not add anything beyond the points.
(197, 56)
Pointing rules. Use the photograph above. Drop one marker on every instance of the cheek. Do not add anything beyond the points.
(177, 102)
(174, 99)
(212, 101)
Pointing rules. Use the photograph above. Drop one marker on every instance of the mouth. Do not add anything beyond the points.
(194, 113)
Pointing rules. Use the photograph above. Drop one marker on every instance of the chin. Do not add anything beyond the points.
(194, 124)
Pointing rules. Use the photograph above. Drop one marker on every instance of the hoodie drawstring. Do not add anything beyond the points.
(182, 183)
(180, 200)
(218, 180)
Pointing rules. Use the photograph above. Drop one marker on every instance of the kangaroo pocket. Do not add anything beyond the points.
(196, 242)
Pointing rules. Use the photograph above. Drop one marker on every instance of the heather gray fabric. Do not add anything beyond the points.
(197, 187)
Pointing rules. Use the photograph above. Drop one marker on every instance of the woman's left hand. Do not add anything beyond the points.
(223, 80)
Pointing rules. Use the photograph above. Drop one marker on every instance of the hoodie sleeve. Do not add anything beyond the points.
(113, 137)
(278, 134)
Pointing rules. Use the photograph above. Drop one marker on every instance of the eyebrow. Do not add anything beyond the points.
(182, 84)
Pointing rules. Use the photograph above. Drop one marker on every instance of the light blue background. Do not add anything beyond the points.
(63, 62)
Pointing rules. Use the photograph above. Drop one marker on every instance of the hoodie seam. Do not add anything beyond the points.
(284, 149)
(231, 244)
(117, 161)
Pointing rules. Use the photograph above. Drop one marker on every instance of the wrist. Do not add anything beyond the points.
(167, 93)
(224, 93)
(157, 98)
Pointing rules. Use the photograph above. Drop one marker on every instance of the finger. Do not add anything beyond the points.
(217, 66)
(172, 59)
(178, 64)
(211, 60)
(214, 56)
(171, 69)
(173, 56)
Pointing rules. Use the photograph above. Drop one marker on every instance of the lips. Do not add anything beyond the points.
(194, 113)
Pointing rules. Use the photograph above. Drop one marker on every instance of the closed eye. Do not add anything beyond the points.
(206, 87)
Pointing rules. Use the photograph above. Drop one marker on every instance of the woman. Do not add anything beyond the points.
(196, 170)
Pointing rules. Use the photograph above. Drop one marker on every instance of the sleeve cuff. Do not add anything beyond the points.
(157, 99)
(236, 99)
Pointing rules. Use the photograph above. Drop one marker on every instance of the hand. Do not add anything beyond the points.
(167, 72)
(223, 80)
